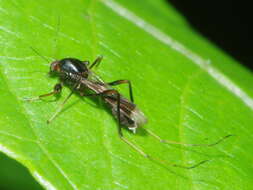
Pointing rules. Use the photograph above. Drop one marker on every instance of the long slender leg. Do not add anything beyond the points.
(57, 90)
(145, 155)
(96, 62)
(117, 82)
(164, 163)
(185, 144)
(119, 123)
(134, 146)
(59, 108)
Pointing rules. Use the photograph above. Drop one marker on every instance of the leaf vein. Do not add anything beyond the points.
(221, 78)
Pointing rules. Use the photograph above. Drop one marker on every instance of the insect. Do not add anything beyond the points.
(78, 76)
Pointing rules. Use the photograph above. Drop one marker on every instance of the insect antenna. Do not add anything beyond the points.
(55, 43)
(56, 38)
(41, 56)
(185, 144)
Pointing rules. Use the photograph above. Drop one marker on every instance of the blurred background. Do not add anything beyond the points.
(14, 176)
(226, 23)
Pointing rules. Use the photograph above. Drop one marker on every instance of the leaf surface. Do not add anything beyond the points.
(190, 91)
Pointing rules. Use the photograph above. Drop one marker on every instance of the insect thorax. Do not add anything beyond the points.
(70, 78)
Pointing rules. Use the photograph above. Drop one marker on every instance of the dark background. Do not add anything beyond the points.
(225, 23)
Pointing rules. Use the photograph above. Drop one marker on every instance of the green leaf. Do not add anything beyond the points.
(190, 91)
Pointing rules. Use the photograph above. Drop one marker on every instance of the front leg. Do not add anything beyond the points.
(60, 107)
(57, 90)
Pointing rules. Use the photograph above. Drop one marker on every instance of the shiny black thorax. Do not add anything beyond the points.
(72, 65)
(72, 70)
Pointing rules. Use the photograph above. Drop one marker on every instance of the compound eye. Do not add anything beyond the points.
(55, 66)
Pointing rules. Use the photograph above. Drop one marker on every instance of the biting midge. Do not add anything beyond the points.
(78, 75)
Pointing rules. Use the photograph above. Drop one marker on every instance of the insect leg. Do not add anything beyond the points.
(117, 82)
(185, 144)
(137, 149)
(59, 108)
(57, 90)
(96, 62)
(134, 146)
(162, 162)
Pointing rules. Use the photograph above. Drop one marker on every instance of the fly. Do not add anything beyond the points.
(78, 75)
